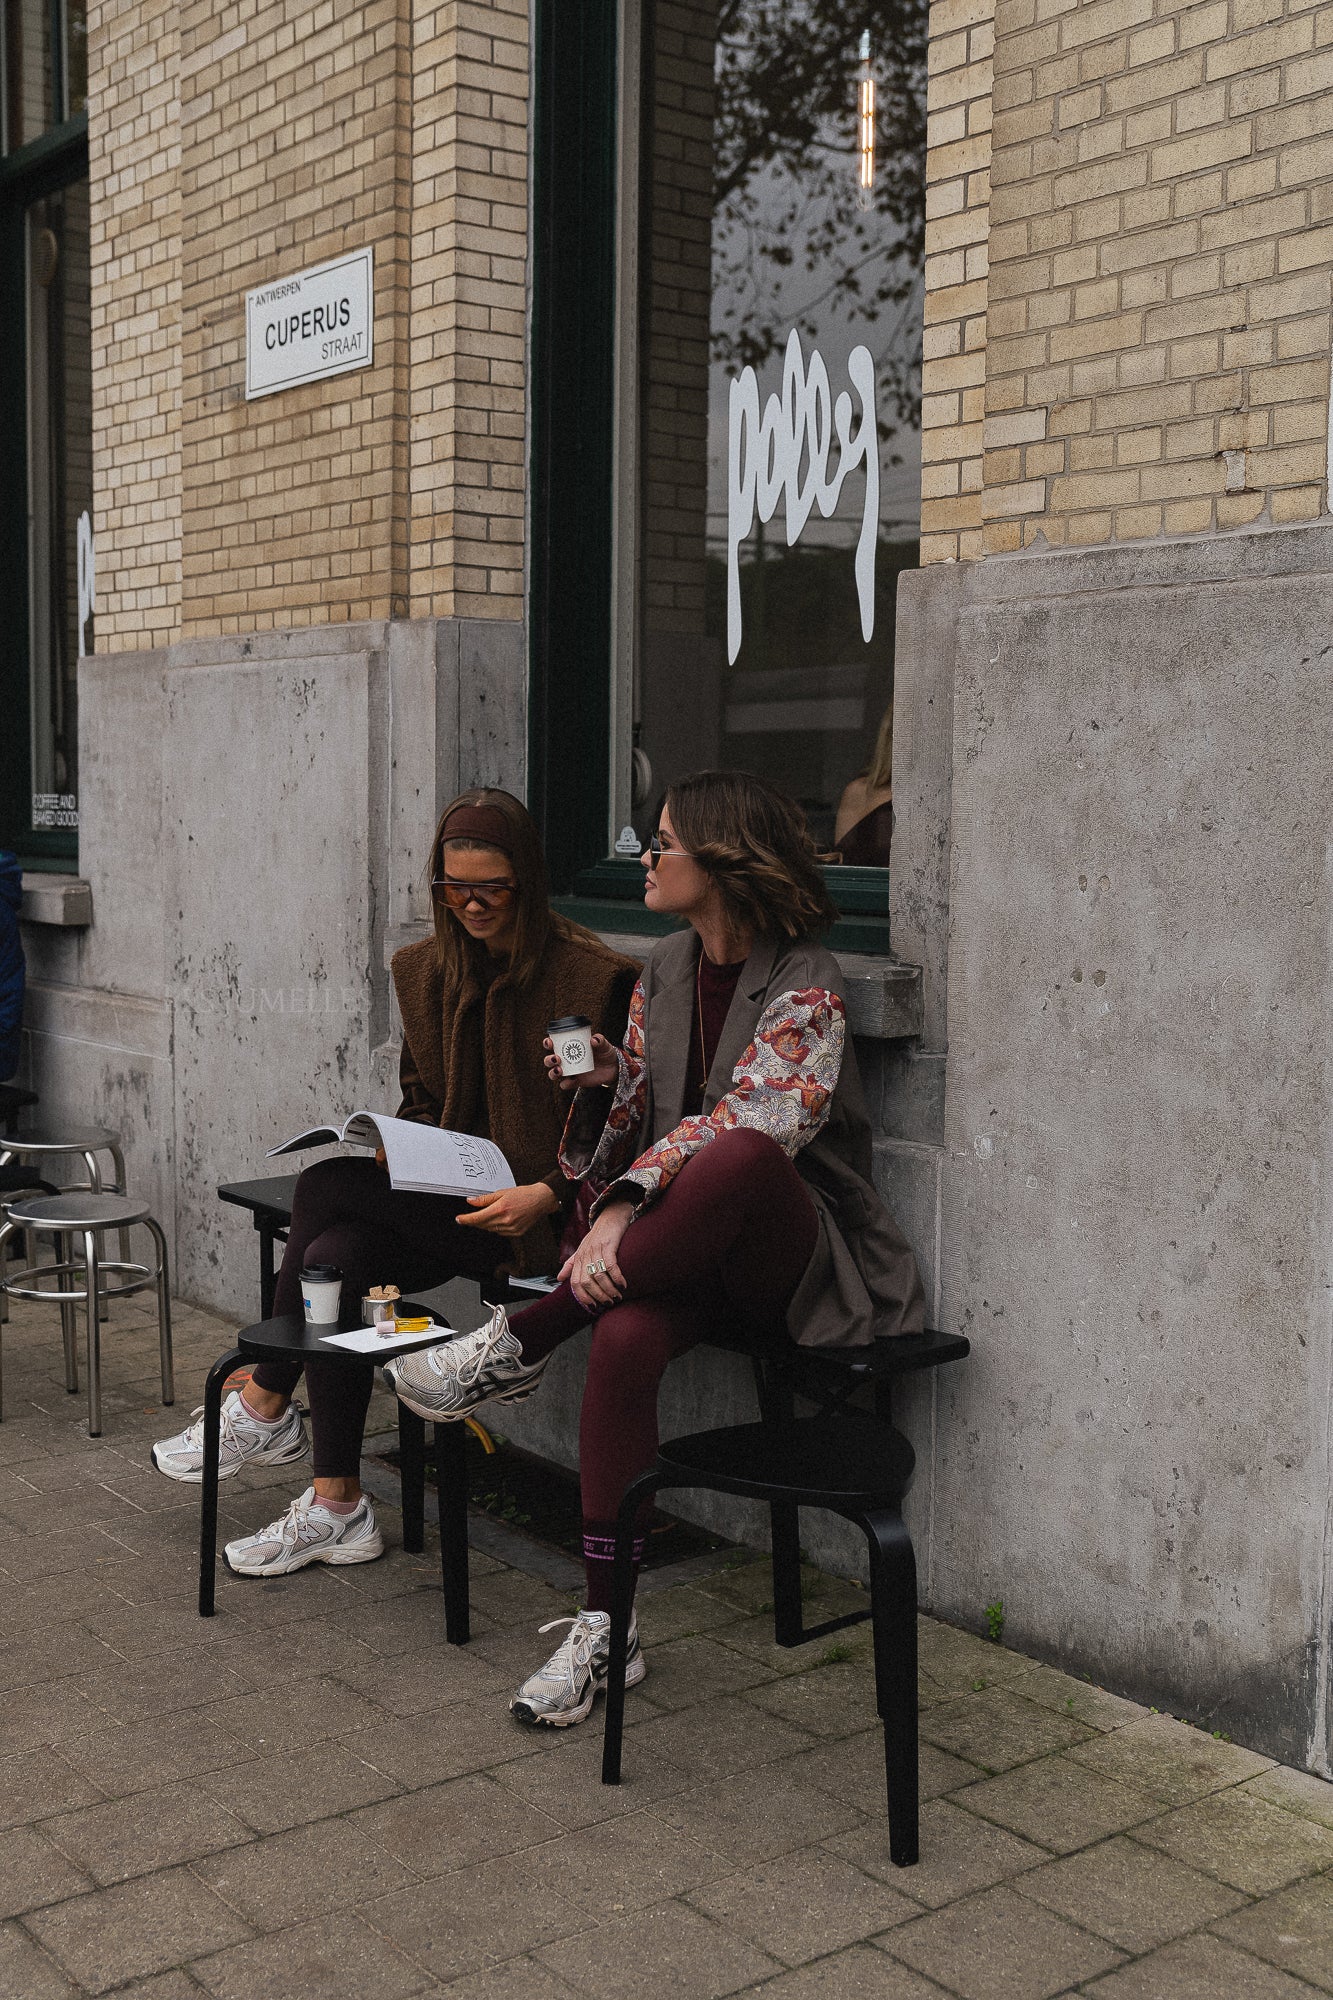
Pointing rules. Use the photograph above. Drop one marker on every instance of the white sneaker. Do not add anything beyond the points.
(244, 1439)
(445, 1382)
(307, 1533)
(563, 1691)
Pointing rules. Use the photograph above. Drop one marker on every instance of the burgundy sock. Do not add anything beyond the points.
(599, 1549)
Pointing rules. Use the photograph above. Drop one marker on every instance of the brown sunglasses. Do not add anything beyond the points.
(457, 895)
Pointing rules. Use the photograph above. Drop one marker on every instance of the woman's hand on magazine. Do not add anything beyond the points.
(592, 1287)
(512, 1212)
(605, 1069)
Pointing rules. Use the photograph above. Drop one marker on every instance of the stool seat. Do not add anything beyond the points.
(78, 1211)
(851, 1462)
(62, 1139)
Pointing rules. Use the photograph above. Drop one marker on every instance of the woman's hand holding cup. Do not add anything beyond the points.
(603, 1068)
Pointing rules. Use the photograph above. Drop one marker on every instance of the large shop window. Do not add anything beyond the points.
(45, 423)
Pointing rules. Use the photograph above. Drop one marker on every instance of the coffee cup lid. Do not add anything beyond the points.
(320, 1271)
(568, 1022)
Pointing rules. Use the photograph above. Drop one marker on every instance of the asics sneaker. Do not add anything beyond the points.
(446, 1382)
(244, 1439)
(307, 1533)
(563, 1691)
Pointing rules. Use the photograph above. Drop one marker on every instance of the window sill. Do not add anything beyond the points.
(65, 901)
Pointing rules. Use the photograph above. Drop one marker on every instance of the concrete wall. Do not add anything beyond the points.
(1137, 1171)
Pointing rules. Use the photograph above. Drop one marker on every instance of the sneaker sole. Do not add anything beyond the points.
(517, 1394)
(196, 1478)
(362, 1553)
(532, 1718)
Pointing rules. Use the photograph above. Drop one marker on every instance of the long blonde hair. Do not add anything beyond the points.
(878, 773)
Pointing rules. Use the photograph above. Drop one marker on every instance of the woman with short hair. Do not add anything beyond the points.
(731, 1153)
(475, 1000)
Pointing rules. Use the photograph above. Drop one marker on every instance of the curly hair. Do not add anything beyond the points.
(754, 842)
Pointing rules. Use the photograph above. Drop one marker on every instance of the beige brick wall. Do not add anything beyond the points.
(958, 158)
(1161, 237)
(135, 251)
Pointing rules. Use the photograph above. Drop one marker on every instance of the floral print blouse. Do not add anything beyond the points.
(783, 1085)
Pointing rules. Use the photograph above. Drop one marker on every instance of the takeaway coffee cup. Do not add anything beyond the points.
(321, 1294)
(571, 1038)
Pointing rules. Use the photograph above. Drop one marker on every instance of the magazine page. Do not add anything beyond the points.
(427, 1160)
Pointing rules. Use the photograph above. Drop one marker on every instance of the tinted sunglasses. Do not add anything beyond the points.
(457, 895)
(656, 849)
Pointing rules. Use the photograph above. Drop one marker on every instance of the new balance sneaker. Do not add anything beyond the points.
(307, 1533)
(244, 1439)
(563, 1691)
(446, 1382)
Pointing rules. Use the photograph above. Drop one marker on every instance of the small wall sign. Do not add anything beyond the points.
(317, 323)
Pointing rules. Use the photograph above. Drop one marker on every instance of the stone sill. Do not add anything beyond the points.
(883, 995)
(63, 900)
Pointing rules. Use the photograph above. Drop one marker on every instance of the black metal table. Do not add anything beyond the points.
(287, 1338)
(269, 1202)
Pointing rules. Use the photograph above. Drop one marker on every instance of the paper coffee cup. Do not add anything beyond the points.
(321, 1294)
(571, 1038)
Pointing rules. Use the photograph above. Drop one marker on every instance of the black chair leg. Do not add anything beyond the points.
(785, 1520)
(268, 1276)
(893, 1601)
(622, 1603)
(412, 1473)
(208, 1499)
(451, 1477)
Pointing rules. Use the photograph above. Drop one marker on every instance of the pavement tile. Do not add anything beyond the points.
(1136, 1898)
(959, 1854)
(134, 1690)
(1293, 1929)
(1060, 1804)
(517, 1979)
(1070, 1694)
(801, 1906)
(998, 1946)
(724, 1735)
(329, 1960)
(39, 1783)
(265, 1657)
(625, 1864)
(454, 1825)
(433, 1678)
(853, 1770)
(56, 1550)
(680, 1612)
(668, 1952)
(997, 1729)
(684, 1673)
(1200, 1968)
(162, 1986)
(397, 1626)
(444, 1743)
(1243, 1841)
(833, 1699)
(1168, 1758)
(1298, 1792)
(956, 1660)
(476, 1916)
(43, 1715)
(564, 1776)
(135, 1928)
(141, 1756)
(148, 1830)
(304, 1784)
(310, 1711)
(27, 1972)
(755, 1815)
(39, 1649)
(509, 1598)
(859, 1973)
(33, 1871)
(307, 1872)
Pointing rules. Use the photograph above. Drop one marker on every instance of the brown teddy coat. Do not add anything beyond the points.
(478, 1067)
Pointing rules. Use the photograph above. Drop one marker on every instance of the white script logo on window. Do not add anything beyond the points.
(764, 455)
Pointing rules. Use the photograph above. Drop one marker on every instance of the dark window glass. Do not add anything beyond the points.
(43, 68)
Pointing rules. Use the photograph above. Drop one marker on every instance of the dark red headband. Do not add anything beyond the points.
(485, 823)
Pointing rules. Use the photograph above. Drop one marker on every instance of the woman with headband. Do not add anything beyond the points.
(475, 1001)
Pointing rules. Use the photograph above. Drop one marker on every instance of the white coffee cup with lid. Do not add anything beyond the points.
(321, 1294)
(571, 1038)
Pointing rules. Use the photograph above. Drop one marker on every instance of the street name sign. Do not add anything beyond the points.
(317, 323)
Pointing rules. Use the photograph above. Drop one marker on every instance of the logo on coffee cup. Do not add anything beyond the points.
(575, 1051)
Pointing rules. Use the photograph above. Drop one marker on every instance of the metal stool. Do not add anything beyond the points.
(46, 1143)
(89, 1215)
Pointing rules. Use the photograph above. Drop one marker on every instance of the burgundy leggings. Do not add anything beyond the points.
(346, 1213)
(729, 1240)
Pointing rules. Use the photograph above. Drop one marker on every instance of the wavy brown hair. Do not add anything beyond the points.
(754, 842)
(535, 921)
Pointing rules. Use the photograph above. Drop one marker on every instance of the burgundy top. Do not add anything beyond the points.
(714, 989)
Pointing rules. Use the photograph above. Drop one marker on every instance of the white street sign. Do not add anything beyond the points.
(318, 323)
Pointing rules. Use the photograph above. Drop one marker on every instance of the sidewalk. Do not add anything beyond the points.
(311, 1796)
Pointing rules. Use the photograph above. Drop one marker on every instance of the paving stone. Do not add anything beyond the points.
(309, 1711)
(434, 1678)
(1070, 1694)
(509, 1598)
(307, 1872)
(1130, 1894)
(959, 1854)
(136, 1928)
(517, 1979)
(999, 1946)
(142, 1756)
(33, 1871)
(1293, 1929)
(1060, 1805)
(801, 1906)
(1243, 1841)
(444, 1743)
(27, 1972)
(957, 1661)
(134, 1690)
(327, 1960)
(725, 1735)
(148, 1830)
(397, 1627)
(162, 1986)
(39, 1783)
(684, 1673)
(853, 1770)
(1168, 1758)
(859, 1973)
(668, 1952)
(626, 1863)
(302, 1785)
(39, 1649)
(451, 1826)
(755, 1815)
(1201, 1968)
(837, 1699)
(996, 1729)
(680, 1612)
(564, 1775)
(474, 1917)
(43, 1715)
(1298, 1792)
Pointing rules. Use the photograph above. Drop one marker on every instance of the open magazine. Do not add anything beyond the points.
(424, 1159)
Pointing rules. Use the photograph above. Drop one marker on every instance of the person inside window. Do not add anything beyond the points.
(475, 1001)
(730, 1149)
(863, 830)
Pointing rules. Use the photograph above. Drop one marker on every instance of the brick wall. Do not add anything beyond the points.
(1161, 233)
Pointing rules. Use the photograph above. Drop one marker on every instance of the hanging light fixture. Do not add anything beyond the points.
(865, 126)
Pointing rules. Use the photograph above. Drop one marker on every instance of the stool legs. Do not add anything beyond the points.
(7, 1229)
(95, 1185)
(92, 1302)
(622, 1603)
(69, 1328)
(893, 1606)
(118, 1162)
(163, 1305)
